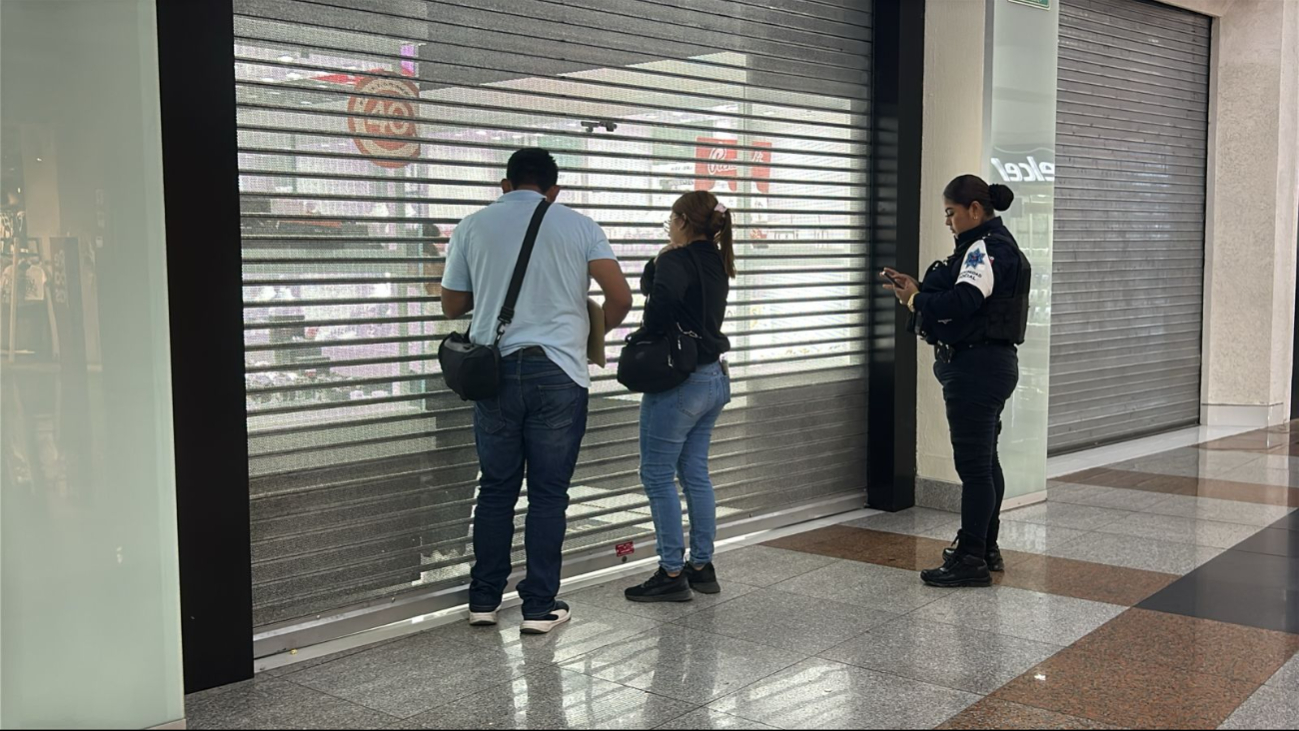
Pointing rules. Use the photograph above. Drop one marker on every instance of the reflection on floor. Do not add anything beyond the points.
(1162, 592)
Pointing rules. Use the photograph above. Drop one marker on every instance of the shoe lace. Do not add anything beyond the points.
(659, 577)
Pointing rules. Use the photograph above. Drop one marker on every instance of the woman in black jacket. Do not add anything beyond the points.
(973, 308)
(687, 286)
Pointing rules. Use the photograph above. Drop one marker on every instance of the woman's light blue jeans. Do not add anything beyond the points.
(676, 429)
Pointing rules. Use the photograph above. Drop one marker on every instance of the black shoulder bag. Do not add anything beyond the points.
(658, 362)
(473, 371)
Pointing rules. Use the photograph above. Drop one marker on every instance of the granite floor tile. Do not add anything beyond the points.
(1187, 462)
(1268, 708)
(1174, 529)
(765, 566)
(945, 532)
(1287, 677)
(412, 675)
(853, 543)
(271, 703)
(1131, 552)
(1066, 515)
(865, 585)
(685, 664)
(806, 540)
(1247, 493)
(1106, 477)
(710, 720)
(1115, 690)
(610, 596)
(946, 655)
(1226, 511)
(1077, 493)
(552, 698)
(1259, 441)
(1034, 538)
(899, 551)
(1262, 473)
(992, 714)
(1096, 496)
(1083, 580)
(297, 667)
(819, 694)
(1278, 462)
(910, 522)
(591, 628)
(1166, 484)
(765, 618)
(1202, 646)
(1053, 620)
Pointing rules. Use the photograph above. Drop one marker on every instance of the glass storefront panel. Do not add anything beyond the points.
(1021, 154)
(90, 614)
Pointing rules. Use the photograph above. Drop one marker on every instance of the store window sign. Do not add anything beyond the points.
(718, 158)
(1027, 171)
(384, 117)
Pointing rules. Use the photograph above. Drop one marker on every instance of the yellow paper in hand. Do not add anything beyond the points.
(595, 341)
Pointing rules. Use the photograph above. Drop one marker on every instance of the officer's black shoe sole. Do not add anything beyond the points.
(996, 564)
(980, 583)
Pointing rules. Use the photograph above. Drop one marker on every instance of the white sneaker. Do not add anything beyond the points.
(540, 626)
(483, 619)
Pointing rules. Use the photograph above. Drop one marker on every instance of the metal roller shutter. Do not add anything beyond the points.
(1128, 287)
(368, 128)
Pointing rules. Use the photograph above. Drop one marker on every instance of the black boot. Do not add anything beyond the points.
(993, 555)
(661, 588)
(996, 563)
(965, 566)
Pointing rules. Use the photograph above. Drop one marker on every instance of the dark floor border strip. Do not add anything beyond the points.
(1244, 585)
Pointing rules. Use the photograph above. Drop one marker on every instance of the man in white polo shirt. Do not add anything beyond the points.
(539, 419)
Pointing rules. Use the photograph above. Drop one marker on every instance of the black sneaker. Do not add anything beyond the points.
(541, 625)
(958, 571)
(661, 588)
(703, 580)
(996, 563)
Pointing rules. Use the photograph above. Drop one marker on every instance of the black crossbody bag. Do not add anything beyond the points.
(473, 371)
(658, 362)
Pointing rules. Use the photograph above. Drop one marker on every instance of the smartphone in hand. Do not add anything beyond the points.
(895, 281)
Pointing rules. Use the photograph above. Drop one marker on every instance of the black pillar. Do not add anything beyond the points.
(201, 190)
(899, 108)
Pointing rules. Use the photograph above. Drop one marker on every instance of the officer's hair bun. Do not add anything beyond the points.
(1001, 196)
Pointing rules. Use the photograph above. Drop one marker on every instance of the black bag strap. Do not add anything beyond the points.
(520, 268)
(703, 288)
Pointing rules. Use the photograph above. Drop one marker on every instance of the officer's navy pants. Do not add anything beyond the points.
(976, 385)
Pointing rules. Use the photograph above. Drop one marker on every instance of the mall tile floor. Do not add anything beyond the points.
(1162, 592)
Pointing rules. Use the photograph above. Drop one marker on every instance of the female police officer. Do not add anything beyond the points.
(973, 308)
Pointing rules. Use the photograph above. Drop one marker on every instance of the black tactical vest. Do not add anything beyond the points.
(1008, 317)
(1000, 318)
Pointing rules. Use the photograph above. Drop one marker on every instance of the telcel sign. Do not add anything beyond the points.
(1030, 171)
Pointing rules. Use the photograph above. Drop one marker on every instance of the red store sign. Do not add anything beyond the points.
(391, 118)
(718, 158)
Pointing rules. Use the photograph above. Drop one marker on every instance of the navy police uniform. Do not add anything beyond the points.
(973, 308)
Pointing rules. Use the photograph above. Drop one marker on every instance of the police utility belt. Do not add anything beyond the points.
(947, 353)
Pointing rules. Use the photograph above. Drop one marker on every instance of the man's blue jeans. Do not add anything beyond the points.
(535, 424)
